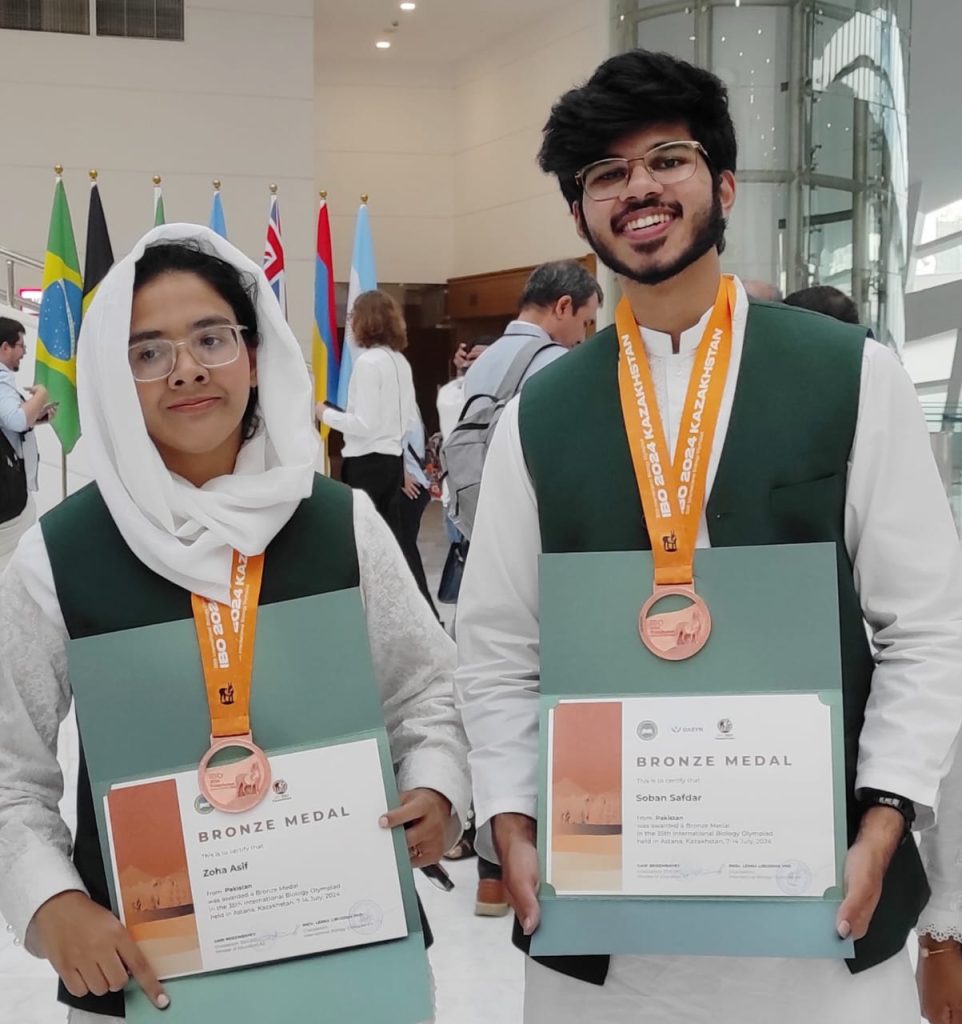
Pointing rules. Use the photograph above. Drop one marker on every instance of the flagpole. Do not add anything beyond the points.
(325, 437)
(63, 475)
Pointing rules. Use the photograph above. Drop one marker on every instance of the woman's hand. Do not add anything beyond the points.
(90, 949)
(411, 487)
(940, 982)
(425, 815)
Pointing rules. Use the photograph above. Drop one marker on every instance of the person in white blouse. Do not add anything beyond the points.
(381, 407)
(645, 155)
(196, 412)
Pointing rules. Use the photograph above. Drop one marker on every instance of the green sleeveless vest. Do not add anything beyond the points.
(103, 587)
(781, 480)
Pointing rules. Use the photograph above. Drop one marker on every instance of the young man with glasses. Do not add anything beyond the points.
(20, 411)
(818, 437)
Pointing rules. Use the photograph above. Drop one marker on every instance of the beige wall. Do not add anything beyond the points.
(234, 101)
(386, 129)
(447, 152)
(508, 214)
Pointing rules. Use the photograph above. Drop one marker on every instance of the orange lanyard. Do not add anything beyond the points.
(226, 637)
(673, 492)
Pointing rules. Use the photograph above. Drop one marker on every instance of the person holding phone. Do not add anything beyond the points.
(20, 411)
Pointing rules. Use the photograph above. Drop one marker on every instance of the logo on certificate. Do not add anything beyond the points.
(202, 806)
(647, 730)
(726, 729)
(280, 787)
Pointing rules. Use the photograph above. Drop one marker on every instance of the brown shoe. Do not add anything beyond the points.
(491, 900)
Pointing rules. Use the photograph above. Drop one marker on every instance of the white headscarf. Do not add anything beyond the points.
(184, 533)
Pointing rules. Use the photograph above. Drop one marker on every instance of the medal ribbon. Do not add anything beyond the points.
(672, 492)
(225, 633)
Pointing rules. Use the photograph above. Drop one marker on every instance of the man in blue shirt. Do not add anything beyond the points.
(559, 304)
(558, 307)
(19, 412)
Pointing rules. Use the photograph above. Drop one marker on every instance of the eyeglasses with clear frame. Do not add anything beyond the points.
(156, 358)
(668, 164)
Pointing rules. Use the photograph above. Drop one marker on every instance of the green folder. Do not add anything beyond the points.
(774, 630)
(142, 712)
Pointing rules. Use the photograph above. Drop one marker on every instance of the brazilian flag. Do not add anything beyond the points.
(60, 311)
(100, 256)
(159, 216)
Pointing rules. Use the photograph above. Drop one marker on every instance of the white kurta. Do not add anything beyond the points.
(908, 570)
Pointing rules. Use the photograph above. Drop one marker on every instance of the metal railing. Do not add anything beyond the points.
(10, 294)
(945, 426)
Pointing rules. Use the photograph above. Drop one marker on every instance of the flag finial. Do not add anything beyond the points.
(58, 169)
(323, 193)
(364, 197)
(216, 183)
(157, 179)
(273, 189)
(93, 175)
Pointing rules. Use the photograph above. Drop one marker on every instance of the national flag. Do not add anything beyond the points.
(60, 311)
(326, 348)
(217, 222)
(363, 279)
(159, 215)
(274, 255)
(99, 257)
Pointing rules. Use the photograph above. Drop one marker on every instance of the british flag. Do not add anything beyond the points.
(274, 255)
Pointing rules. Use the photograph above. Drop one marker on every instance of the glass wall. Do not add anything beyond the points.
(818, 97)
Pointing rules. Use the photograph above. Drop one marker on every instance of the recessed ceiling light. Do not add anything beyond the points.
(383, 44)
(408, 6)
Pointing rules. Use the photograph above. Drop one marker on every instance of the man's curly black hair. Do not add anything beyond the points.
(627, 93)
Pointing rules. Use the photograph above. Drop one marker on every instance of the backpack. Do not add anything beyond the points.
(13, 481)
(464, 452)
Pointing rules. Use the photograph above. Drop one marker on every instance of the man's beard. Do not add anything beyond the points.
(709, 234)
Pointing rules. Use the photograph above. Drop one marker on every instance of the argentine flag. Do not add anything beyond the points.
(363, 279)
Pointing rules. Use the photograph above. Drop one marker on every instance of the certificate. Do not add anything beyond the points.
(308, 870)
(705, 796)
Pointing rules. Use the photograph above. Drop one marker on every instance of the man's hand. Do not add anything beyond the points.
(34, 406)
(411, 487)
(879, 835)
(514, 840)
(426, 816)
(463, 359)
(940, 982)
(90, 949)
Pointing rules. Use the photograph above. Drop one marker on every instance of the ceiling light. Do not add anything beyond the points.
(408, 6)
(383, 44)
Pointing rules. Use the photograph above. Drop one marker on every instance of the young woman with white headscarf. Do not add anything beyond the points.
(196, 411)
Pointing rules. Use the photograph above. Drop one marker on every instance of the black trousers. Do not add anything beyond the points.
(381, 478)
(412, 509)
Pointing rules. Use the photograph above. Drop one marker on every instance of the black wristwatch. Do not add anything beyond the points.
(881, 798)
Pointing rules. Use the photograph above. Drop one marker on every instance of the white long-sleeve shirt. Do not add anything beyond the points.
(381, 406)
(413, 663)
(898, 532)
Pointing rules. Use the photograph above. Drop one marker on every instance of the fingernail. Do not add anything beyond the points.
(526, 926)
(845, 929)
(382, 821)
(163, 1002)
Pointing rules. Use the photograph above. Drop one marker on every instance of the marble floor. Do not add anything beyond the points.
(478, 973)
